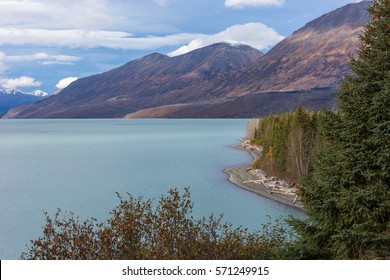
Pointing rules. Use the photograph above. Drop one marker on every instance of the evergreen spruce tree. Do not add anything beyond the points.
(348, 191)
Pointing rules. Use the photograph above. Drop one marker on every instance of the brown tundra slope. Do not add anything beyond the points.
(150, 81)
(219, 80)
(315, 56)
(302, 70)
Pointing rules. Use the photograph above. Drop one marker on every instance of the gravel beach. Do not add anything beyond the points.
(241, 177)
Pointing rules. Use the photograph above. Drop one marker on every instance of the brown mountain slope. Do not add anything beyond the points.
(316, 55)
(305, 69)
(206, 82)
(151, 81)
(247, 106)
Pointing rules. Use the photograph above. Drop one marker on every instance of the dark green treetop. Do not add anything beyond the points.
(348, 190)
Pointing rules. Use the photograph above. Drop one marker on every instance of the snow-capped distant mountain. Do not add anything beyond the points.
(38, 93)
(12, 91)
(10, 98)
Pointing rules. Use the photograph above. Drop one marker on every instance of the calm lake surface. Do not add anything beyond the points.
(78, 165)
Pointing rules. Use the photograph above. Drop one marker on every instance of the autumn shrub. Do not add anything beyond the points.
(138, 229)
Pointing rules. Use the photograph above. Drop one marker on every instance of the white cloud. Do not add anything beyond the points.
(66, 82)
(23, 81)
(88, 38)
(256, 35)
(239, 4)
(58, 13)
(193, 45)
(44, 58)
(79, 24)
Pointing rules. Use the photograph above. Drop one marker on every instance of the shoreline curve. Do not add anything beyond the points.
(239, 176)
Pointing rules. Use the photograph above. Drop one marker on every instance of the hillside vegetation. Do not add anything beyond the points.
(346, 185)
(289, 142)
(342, 160)
(348, 191)
(140, 230)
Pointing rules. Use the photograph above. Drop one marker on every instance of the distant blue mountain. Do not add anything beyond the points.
(10, 98)
(221, 80)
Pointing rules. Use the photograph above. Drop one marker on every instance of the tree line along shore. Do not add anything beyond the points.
(338, 160)
(284, 146)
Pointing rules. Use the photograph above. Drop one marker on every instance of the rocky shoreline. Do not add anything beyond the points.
(258, 182)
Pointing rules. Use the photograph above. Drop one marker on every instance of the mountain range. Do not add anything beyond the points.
(220, 80)
(317, 55)
(12, 97)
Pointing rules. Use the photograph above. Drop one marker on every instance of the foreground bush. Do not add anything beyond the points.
(139, 230)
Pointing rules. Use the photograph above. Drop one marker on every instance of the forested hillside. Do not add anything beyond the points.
(342, 158)
(348, 191)
(289, 142)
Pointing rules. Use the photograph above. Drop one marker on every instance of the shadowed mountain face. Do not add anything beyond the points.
(247, 106)
(151, 81)
(316, 55)
(210, 82)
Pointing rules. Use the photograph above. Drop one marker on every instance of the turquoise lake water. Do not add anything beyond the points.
(78, 165)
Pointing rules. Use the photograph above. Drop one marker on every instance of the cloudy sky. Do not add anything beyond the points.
(46, 44)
